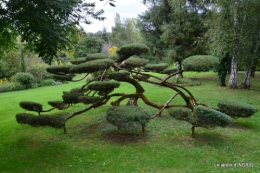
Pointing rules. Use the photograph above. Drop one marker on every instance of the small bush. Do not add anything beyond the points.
(26, 79)
(207, 117)
(200, 63)
(11, 86)
(47, 82)
(41, 120)
(236, 109)
(180, 113)
(125, 116)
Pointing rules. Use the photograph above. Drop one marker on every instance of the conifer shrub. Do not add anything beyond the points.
(207, 117)
(31, 106)
(156, 67)
(71, 98)
(236, 109)
(128, 50)
(59, 69)
(103, 85)
(89, 99)
(78, 61)
(26, 79)
(58, 104)
(200, 63)
(41, 120)
(96, 56)
(119, 75)
(92, 66)
(134, 62)
(124, 116)
(68, 77)
(180, 113)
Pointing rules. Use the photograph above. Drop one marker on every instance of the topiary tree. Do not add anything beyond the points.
(130, 68)
(200, 63)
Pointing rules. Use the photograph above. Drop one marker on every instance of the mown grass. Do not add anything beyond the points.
(93, 145)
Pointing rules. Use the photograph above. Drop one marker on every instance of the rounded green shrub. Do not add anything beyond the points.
(207, 117)
(11, 86)
(41, 120)
(46, 82)
(89, 99)
(236, 109)
(119, 75)
(128, 50)
(58, 104)
(92, 66)
(26, 79)
(31, 106)
(156, 67)
(59, 69)
(180, 113)
(124, 116)
(134, 62)
(200, 63)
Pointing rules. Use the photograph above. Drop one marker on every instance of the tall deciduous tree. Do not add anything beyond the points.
(45, 24)
(125, 31)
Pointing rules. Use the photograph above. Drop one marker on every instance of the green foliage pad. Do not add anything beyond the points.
(236, 109)
(31, 106)
(124, 116)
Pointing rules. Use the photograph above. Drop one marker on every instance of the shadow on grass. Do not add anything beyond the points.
(243, 125)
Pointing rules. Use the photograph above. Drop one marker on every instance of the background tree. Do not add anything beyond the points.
(125, 31)
(44, 24)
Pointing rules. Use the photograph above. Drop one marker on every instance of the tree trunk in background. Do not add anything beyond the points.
(179, 68)
(232, 84)
(222, 70)
(246, 83)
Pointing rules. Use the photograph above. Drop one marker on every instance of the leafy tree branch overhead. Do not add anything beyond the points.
(45, 24)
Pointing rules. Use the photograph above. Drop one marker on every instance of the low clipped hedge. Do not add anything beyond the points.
(31, 106)
(124, 116)
(207, 117)
(59, 69)
(41, 120)
(119, 75)
(156, 67)
(92, 66)
(200, 63)
(128, 50)
(180, 113)
(236, 109)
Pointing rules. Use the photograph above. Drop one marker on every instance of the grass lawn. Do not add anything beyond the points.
(92, 145)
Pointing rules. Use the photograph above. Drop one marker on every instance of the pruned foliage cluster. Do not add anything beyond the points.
(125, 116)
(156, 67)
(200, 63)
(236, 109)
(31, 106)
(129, 50)
(41, 120)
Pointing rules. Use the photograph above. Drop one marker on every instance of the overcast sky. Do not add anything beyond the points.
(125, 8)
